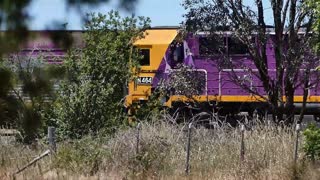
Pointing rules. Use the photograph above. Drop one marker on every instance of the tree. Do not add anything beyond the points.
(8, 103)
(293, 57)
(314, 5)
(26, 91)
(92, 95)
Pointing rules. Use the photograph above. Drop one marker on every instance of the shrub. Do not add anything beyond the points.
(312, 142)
(91, 97)
(85, 156)
(22, 108)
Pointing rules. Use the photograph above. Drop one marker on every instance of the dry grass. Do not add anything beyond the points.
(162, 154)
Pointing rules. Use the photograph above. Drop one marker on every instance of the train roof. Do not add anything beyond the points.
(157, 37)
(166, 27)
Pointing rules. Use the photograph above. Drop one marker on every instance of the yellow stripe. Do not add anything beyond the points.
(236, 98)
(176, 98)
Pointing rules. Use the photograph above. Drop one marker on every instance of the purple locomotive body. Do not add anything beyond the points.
(220, 85)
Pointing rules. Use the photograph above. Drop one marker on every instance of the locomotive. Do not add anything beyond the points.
(163, 56)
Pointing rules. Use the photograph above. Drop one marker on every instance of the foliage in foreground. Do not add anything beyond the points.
(314, 5)
(214, 155)
(312, 142)
(16, 15)
(91, 97)
(26, 88)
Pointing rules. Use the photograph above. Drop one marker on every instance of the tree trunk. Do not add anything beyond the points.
(305, 95)
(289, 105)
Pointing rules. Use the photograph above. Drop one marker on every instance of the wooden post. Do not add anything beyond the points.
(242, 151)
(47, 152)
(187, 170)
(52, 139)
(138, 138)
(296, 147)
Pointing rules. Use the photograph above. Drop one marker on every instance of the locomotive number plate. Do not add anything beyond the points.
(144, 80)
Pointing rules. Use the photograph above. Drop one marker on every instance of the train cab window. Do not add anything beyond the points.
(211, 46)
(178, 54)
(236, 47)
(145, 60)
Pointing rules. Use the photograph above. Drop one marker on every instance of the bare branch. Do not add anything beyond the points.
(284, 12)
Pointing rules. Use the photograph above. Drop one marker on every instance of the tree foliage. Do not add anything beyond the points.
(92, 95)
(184, 81)
(14, 17)
(26, 90)
(8, 104)
(312, 142)
(314, 5)
(292, 21)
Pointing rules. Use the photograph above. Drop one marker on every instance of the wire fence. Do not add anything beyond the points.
(8, 136)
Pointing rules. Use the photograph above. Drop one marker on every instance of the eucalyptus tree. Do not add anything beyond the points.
(292, 21)
(314, 5)
(26, 91)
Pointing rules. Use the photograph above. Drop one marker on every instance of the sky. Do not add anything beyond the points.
(162, 12)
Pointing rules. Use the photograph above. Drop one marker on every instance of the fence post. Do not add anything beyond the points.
(242, 152)
(296, 147)
(188, 149)
(138, 138)
(52, 138)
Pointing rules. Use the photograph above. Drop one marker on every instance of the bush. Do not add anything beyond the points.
(312, 142)
(85, 156)
(22, 108)
(91, 98)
